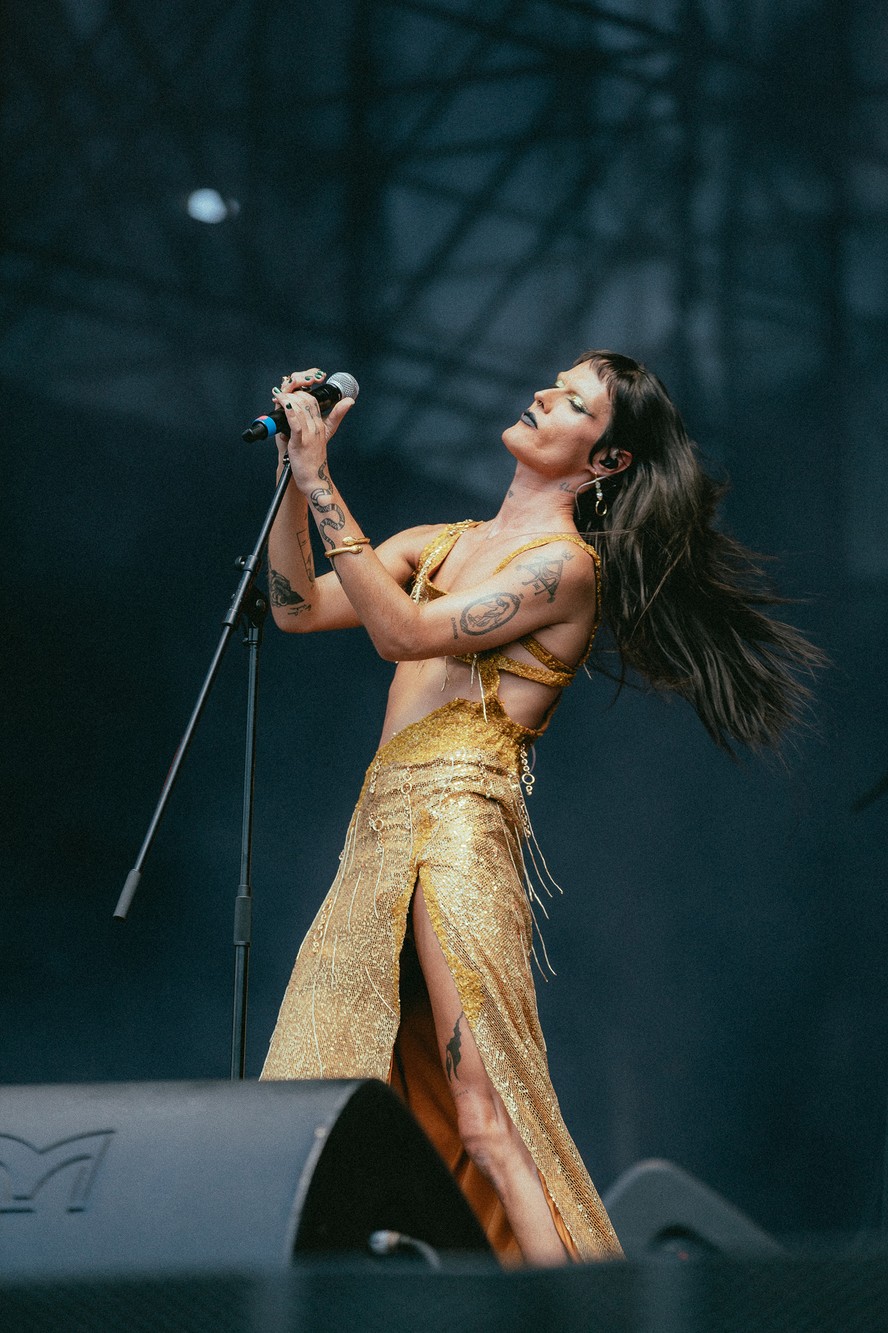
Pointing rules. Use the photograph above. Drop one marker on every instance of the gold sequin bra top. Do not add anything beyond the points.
(551, 670)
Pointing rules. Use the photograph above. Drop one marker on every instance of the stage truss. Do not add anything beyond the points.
(449, 200)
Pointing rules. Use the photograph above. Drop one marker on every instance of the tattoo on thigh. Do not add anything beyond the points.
(452, 1055)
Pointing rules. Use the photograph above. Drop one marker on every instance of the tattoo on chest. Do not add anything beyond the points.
(282, 593)
(545, 575)
(489, 613)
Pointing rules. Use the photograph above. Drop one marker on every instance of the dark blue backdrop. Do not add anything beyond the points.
(499, 201)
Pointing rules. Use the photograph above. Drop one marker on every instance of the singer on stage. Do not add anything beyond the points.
(417, 968)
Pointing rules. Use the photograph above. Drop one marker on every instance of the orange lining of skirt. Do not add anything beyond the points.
(416, 1075)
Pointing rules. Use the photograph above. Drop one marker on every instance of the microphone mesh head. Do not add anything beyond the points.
(345, 383)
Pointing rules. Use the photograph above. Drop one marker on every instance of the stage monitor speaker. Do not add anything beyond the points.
(657, 1208)
(161, 1177)
(787, 1295)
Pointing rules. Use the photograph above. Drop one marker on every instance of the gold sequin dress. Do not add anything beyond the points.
(442, 806)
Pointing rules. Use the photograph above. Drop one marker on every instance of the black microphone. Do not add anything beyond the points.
(338, 386)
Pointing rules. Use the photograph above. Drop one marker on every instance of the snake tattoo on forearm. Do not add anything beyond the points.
(336, 521)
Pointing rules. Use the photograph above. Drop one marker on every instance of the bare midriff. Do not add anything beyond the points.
(419, 688)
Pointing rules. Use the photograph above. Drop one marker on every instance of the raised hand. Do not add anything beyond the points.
(310, 433)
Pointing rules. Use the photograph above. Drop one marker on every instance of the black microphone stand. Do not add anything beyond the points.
(251, 607)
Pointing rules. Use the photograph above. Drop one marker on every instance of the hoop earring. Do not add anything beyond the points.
(600, 502)
(577, 494)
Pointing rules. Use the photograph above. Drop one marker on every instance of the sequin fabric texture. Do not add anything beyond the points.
(441, 806)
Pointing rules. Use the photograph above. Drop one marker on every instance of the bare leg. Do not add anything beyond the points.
(485, 1127)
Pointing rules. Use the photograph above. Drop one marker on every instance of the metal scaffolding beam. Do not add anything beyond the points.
(450, 200)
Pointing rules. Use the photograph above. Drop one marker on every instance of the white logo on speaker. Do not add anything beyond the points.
(24, 1169)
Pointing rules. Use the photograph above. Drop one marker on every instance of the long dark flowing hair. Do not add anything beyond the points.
(683, 600)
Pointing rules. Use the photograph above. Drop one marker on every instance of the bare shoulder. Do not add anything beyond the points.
(556, 579)
(569, 562)
(424, 531)
(401, 552)
(411, 541)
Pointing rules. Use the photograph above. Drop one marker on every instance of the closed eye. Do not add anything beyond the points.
(576, 402)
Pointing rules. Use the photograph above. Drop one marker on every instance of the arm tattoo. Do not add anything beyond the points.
(453, 1057)
(304, 541)
(327, 525)
(282, 593)
(453, 627)
(489, 613)
(545, 575)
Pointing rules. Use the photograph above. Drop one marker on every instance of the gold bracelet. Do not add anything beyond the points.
(350, 546)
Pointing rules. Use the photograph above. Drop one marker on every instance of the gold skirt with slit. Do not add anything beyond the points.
(441, 807)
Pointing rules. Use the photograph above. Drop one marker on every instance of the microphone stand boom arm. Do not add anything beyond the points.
(250, 605)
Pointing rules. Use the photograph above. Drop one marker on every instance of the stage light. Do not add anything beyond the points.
(209, 206)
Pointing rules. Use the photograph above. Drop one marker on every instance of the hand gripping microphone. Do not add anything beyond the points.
(328, 394)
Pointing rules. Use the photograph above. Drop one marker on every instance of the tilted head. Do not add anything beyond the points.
(646, 427)
(645, 422)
